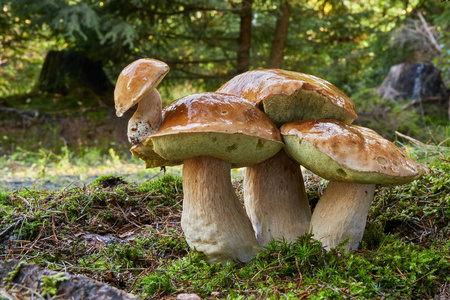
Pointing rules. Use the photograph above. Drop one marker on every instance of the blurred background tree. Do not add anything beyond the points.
(350, 43)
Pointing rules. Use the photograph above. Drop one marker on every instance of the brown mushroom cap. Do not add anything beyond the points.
(348, 153)
(136, 81)
(287, 96)
(218, 125)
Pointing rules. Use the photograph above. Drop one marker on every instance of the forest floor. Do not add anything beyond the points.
(73, 202)
(127, 234)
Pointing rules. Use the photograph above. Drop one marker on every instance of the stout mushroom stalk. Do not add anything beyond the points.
(341, 213)
(213, 219)
(275, 199)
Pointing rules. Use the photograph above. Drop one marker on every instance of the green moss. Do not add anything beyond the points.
(14, 273)
(393, 270)
(166, 190)
(420, 209)
(49, 284)
(108, 181)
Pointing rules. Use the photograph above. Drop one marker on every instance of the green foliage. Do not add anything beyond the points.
(388, 116)
(22, 48)
(3, 198)
(351, 44)
(443, 28)
(73, 20)
(50, 283)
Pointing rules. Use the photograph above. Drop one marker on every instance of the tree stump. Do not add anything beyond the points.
(65, 71)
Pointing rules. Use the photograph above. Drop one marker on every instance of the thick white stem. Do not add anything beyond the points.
(147, 118)
(275, 199)
(341, 213)
(214, 220)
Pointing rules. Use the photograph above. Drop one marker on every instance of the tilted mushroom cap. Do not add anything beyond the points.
(348, 153)
(136, 81)
(218, 125)
(287, 96)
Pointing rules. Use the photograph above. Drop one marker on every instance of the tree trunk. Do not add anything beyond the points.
(280, 36)
(243, 56)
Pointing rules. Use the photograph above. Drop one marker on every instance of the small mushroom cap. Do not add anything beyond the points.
(287, 96)
(348, 153)
(213, 124)
(137, 80)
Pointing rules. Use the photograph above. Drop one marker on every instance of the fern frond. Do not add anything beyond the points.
(122, 32)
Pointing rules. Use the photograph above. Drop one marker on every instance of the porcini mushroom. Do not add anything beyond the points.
(354, 159)
(274, 192)
(137, 85)
(210, 133)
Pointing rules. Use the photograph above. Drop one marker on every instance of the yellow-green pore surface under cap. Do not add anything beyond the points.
(238, 149)
(218, 125)
(348, 153)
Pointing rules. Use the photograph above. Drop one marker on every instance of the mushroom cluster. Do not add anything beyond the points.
(271, 122)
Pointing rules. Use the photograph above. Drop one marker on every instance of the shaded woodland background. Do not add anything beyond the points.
(63, 56)
(59, 60)
(350, 43)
